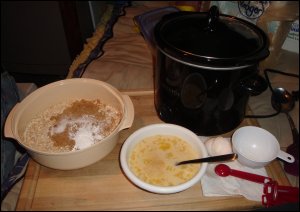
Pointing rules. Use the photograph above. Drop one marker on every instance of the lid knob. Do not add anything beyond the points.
(212, 18)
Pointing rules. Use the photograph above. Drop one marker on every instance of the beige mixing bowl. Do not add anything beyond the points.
(57, 92)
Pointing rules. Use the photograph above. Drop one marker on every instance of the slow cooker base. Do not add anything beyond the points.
(208, 127)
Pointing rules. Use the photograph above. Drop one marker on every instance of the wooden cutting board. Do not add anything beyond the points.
(103, 186)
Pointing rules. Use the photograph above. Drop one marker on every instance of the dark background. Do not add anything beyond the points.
(40, 39)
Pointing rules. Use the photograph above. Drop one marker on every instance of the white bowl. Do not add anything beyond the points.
(55, 93)
(162, 129)
(257, 147)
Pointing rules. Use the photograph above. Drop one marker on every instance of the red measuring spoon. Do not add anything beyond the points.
(274, 194)
(224, 171)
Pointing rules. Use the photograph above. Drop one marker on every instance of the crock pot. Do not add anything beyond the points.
(204, 67)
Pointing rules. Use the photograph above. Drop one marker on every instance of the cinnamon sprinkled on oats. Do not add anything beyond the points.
(71, 126)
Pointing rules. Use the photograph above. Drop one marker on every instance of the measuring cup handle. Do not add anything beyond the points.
(288, 189)
(286, 194)
(285, 156)
(249, 176)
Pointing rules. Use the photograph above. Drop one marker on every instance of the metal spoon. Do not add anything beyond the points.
(210, 159)
(283, 101)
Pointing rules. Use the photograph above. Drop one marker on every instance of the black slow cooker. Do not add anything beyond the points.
(204, 65)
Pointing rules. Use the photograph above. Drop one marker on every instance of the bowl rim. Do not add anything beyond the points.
(37, 93)
(155, 188)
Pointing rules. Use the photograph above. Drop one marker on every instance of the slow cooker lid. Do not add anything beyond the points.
(210, 37)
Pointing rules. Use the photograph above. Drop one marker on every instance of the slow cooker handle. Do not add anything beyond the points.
(212, 18)
(8, 132)
(254, 85)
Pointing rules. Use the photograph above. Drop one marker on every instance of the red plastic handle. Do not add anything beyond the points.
(249, 176)
(275, 194)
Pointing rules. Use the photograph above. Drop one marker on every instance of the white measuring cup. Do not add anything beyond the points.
(257, 147)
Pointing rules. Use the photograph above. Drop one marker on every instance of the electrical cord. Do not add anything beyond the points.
(263, 116)
(295, 94)
(278, 72)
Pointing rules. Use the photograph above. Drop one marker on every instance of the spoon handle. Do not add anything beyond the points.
(293, 149)
(293, 128)
(210, 159)
(249, 176)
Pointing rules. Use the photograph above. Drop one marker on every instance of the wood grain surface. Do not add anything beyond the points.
(103, 186)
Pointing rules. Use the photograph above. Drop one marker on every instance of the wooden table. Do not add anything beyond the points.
(103, 186)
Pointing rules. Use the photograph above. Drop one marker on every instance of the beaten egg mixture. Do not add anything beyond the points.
(154, 159)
